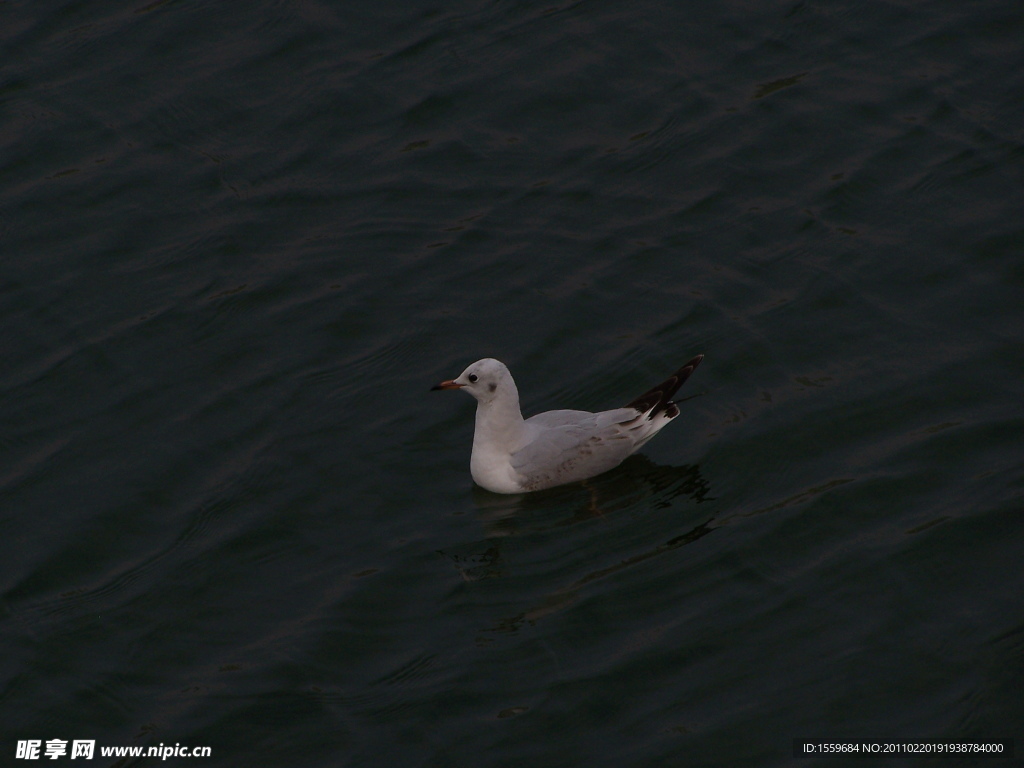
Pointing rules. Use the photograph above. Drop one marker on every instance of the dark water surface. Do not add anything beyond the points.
(241, 240)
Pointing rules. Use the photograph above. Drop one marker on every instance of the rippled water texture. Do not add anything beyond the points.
(241, 241)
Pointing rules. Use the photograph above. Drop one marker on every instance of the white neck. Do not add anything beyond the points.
(499, 431)
(499, 422)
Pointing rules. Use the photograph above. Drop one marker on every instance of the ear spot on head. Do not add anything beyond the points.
(492, 387)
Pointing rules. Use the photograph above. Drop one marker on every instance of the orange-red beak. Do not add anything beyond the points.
(450, 384)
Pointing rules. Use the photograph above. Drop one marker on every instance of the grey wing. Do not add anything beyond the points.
(585, 419)
(573, 445)
(560, 418)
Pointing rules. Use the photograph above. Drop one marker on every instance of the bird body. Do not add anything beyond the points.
(514, 455)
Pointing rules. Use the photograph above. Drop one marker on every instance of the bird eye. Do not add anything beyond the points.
(472, 378)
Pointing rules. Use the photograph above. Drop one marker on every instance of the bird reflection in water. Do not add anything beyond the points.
(638, 484)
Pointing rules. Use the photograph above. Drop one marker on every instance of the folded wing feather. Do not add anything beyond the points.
(573, 445)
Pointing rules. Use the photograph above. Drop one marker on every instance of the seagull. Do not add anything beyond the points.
(513, 455)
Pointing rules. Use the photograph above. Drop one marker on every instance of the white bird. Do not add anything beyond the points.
(513, 455)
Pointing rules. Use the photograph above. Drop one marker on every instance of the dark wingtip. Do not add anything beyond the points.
(659, 398)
